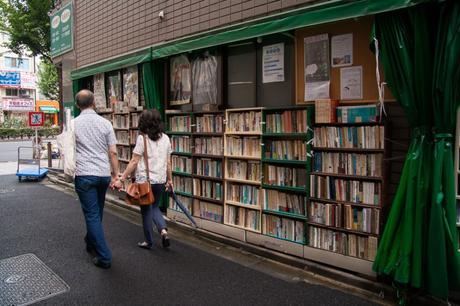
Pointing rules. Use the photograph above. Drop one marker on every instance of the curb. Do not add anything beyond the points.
(372, 287)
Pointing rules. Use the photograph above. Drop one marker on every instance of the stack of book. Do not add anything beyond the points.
(362, 219)
(180, 124)
(243, 194)
(183, 184)
(284, 228)
(207, 189)
(348, 163)
(243, 170)
(285, 149)
(325, 111)
(120, 121)
(124, 153)
(358, 114)
(243, 146)
(284, 176)
(327, 214)
(358, 137)
(134, 122)
(211, 211)
(209, 123)
(181, 164)
(209, 145)
(133, 134)
(209, 167)
(289, 121)
(180, 144)
(241, 217)
(247, 121)
(122, 137)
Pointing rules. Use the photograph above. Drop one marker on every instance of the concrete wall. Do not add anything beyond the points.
(105, 29)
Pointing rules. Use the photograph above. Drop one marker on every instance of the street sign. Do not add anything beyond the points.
(62, 30)
(36, 119)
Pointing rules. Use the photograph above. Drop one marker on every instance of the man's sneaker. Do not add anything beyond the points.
(101, 264)
(165, 240)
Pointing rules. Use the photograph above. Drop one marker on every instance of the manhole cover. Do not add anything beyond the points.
(6, 190)
(25, 279)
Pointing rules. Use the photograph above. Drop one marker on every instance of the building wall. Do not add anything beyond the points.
(107, 29)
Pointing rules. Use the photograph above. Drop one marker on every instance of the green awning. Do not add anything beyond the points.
(114, 64)
(326, 11)
(49, 109)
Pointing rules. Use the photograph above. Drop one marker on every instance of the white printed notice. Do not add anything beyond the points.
(351, 83)
(317, 70)
(342, 50)
(273, 63)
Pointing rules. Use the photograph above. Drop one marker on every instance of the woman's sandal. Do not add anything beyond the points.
(144, 245)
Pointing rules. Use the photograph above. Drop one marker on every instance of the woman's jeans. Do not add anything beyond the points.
(91, 190)
(152, 213)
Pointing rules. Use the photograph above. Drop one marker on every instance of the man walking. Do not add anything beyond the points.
(95, 149)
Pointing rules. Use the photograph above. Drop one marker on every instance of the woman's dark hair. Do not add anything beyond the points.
(150, 124)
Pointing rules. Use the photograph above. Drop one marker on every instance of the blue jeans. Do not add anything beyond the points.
(91, 190)
(152, 213)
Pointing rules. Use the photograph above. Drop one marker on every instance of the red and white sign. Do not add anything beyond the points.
(28, 80)
(18, 104)
(36, 118)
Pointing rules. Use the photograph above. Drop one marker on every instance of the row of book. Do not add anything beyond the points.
(209, 145)
(247, 121)
(285, 176)
(243, 170)
(243, 217)
(133, 136)
(120, 121)
(134, 122)
(357, 114)
(286, 202)
(364, 247)
(122, 137)
(207, 189)
(187, 201)
(362, 219)
(356, 137)
(107, 116)
(122, 166)
(292, 121)
(124, 152)
(180, 144)
(209, 123)
(285, 149)
(180, 124)
(181, 164)
(211, 211)
(183, 184)
(209, 167)
(284, 228)
(244, 194)
(243, 146)
(327, 214)
(331, 188)
(348, 163)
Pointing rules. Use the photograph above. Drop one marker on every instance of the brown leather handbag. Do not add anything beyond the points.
(141, 193)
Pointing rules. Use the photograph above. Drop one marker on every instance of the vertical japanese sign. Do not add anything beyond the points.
(62, 30)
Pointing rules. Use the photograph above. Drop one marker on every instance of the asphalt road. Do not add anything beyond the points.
(48, 223)
(9, 150)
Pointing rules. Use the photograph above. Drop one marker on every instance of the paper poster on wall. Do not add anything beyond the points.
(204, 78)
(99, 91)
(351, 83)
(114, 88)
(180, 80)
(317, 70)
(342, 50)
(273, 63)
(130, 86)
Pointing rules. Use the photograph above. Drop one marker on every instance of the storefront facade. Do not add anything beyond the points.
(206, 63)
(50, 108)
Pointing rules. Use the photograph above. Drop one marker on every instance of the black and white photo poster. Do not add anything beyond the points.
(317, 69)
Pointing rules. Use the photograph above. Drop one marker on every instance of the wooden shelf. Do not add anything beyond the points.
(210, 178)
(351, 150)
(342, 229)
(327, 201)
(182, 153)
(234, 133)
(243, 227)
(270, 134)
(249, 206)
(348, 176)
(207, 134)
(284, 214)
(241, 181)
(181, 173)
(285, 188)
(206, 199)
(243, 157)
(283, 161)
(284, 239)
(208, 156)
(179, 133)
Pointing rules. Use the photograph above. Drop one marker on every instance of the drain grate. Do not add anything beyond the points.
(25, 279)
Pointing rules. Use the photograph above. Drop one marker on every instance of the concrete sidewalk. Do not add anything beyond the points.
(37, 219)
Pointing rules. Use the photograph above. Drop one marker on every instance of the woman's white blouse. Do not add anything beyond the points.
(158, 153)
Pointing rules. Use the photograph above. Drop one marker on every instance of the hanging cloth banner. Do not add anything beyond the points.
(204, 76)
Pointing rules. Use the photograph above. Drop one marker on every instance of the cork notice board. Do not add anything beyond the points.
(362, 56)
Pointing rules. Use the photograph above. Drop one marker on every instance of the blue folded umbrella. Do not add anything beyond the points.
(184, 209)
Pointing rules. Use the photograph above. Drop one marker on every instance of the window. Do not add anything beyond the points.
(17, 63)
(12, 92)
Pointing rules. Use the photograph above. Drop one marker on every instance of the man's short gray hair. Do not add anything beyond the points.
(84, 98)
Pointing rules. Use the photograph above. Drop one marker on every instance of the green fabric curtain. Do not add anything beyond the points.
(420, 50)
(152, 77)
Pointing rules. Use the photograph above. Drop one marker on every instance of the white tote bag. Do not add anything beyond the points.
(66, 142)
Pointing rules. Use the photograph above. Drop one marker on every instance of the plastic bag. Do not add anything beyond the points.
(66, 143)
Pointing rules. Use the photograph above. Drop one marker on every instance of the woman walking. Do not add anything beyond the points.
(159, 161)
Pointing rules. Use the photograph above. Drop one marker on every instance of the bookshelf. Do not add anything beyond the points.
(285, 167)
(242, 151)
(347, 188)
